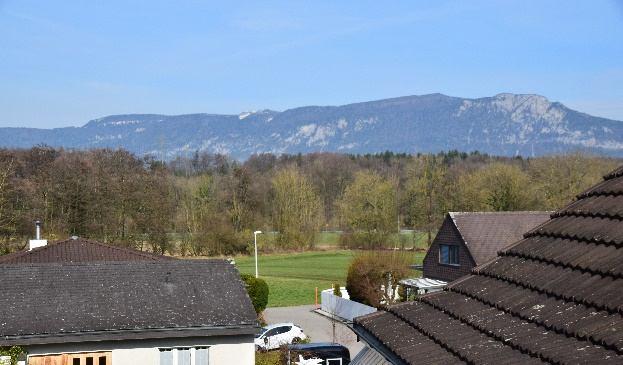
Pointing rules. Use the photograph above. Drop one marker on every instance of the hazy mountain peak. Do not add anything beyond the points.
(504, 124)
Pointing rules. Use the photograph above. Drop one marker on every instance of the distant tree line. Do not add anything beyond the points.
(209, 204)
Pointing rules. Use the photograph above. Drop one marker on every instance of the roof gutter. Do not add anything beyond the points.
(133, 334)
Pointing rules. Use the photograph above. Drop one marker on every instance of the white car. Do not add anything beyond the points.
(276, 335)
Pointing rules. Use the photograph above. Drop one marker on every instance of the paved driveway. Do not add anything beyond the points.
(316, 326)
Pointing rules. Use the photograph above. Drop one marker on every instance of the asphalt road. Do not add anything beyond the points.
(319, 328)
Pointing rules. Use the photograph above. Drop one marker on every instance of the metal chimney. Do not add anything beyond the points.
(38, 230)
(37, 242)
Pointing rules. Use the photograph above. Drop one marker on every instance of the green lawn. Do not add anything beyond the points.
(331, 240)
(404, 239)
(293, 277)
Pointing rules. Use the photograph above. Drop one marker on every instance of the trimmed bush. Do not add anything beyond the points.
(373, 276)
(258, 291)
(337, 291)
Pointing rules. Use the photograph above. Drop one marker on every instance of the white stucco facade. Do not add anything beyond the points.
(222, 350)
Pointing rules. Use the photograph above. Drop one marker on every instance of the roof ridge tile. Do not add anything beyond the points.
(81, 249)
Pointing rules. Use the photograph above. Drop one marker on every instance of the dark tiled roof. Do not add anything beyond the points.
(556, 296)
(78, 250)
(485, 233)
(47, 303)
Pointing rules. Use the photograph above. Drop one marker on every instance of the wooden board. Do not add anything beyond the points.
(68, 359)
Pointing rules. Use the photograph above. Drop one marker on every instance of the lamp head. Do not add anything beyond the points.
(257, 232)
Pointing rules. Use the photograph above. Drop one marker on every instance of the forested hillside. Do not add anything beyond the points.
(210, 204)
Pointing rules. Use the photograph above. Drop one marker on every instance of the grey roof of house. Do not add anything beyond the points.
(556, 297)
(49, 303)
(368, 356)
(79, 250)
(486, 233)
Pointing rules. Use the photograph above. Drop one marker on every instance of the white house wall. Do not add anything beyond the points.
(232, 354)
(223, 350)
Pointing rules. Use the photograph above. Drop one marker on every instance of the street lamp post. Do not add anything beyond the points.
(255, 242)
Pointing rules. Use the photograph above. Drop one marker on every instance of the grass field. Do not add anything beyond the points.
(403, 239)
(331, 240)
(293, 277)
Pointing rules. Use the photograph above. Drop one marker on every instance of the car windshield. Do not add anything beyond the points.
(262, 331)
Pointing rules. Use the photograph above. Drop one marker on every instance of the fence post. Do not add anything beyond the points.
(316, 297)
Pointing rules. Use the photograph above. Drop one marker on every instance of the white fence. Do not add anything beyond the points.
(341, 307)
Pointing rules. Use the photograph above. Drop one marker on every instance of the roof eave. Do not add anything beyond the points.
(458, 231)
(135, 334)
(377, 345)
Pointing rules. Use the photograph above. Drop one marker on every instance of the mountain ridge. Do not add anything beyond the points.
(503, 124)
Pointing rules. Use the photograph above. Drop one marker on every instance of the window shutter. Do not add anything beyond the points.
(201, 356)
(166, 357)
(183, 357)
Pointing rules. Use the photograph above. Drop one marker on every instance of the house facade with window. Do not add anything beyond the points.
(140, 309)
(468, 239)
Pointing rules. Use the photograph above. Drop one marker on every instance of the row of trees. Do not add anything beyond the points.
(209, 204)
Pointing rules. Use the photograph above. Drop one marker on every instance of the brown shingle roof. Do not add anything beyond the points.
(485, 233)
(79, 250)
(98, 301)
(555, 296)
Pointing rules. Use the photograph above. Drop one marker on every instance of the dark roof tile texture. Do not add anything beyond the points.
(596, 206)
(606, 260)
(53, 300)
(583, 229)
(79, 250)
(616, 173)
(555, 296)
(411, 346)
(464, 340)
(485, 233)
(612, 187)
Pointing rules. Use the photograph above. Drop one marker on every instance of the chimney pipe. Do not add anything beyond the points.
(38, 230)
(37, 242)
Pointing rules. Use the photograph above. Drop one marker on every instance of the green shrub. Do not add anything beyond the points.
(268, 358)
(14, 352)
(337, 290)
(258, 291)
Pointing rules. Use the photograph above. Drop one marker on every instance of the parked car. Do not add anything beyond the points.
(276, 335)
(323, 353)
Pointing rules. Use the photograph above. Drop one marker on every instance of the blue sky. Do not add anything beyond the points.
(65, 62)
